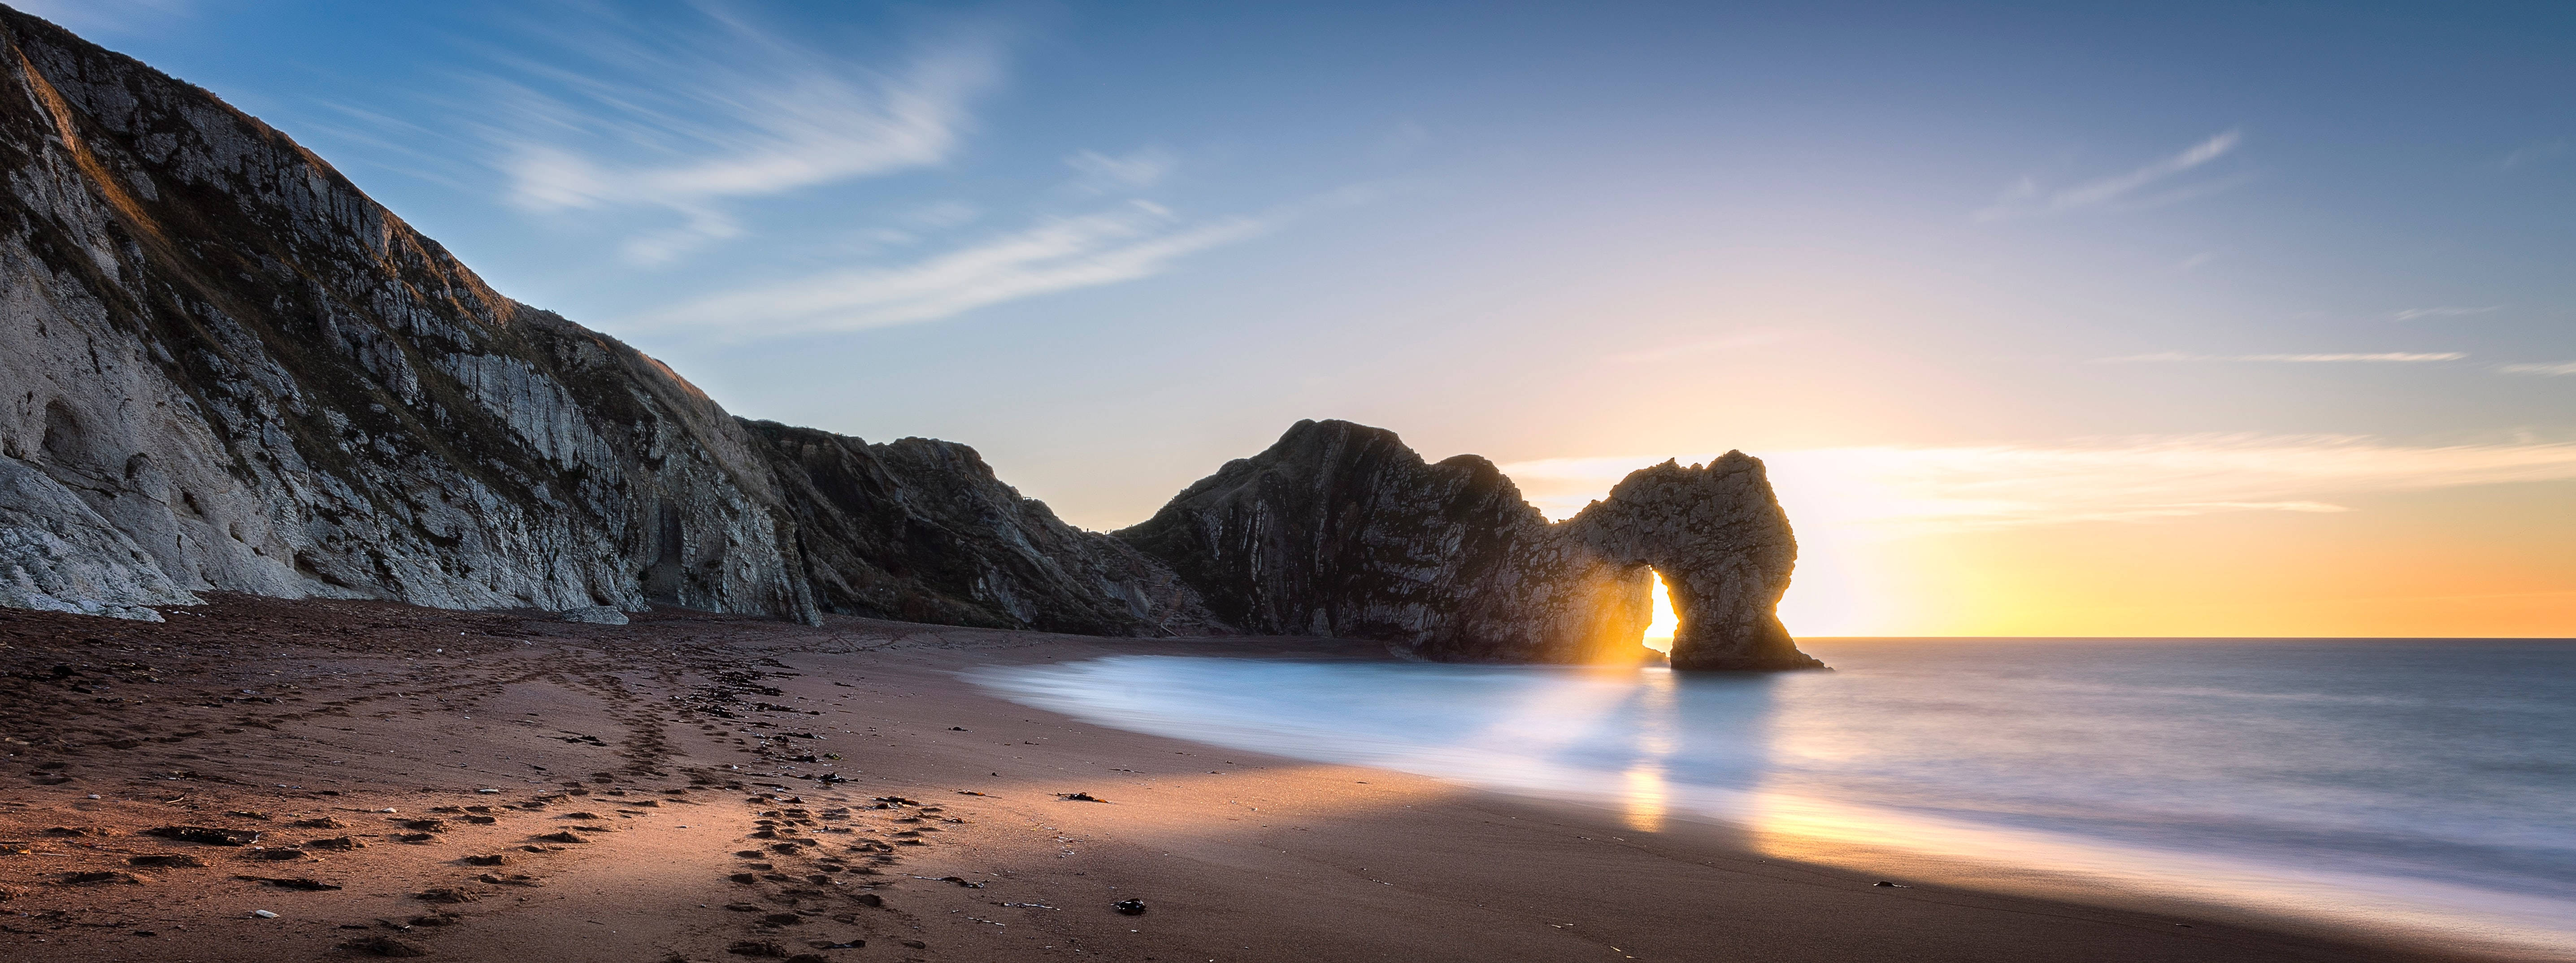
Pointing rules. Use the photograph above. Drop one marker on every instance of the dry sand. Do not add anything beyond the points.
(657, 800)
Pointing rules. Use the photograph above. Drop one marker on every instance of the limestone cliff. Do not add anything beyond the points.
(1341, 530)
(228, 369)
(225, 368)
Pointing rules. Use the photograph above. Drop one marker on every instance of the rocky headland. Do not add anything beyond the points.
(229, 370)
(1340, 530)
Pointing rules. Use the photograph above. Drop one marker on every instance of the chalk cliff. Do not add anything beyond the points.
(1341, 530)
(224, 368)
(228, 369)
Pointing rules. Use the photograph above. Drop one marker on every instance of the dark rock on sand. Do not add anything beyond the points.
(95, 878)
(383, 946)
(594, 615)
(208, 835)
(297, 883)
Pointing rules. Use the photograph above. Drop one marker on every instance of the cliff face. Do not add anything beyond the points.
(229, 369)
(1340, 530)
(921, 531)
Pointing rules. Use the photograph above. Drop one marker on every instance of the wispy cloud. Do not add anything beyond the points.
(688, 120)
(1899, 490)
(2151, 185)
(1103, 174)
(2413, 314)
(2560, 368)
(2380, 357)
(1055, 254)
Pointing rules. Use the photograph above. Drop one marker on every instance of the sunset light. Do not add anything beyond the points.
(1153, 481)
(1659, 633)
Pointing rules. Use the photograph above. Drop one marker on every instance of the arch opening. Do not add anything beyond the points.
(1660, 631)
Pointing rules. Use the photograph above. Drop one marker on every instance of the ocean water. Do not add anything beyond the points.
(2422, 787)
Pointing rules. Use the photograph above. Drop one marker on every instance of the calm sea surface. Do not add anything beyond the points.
(2427, 786)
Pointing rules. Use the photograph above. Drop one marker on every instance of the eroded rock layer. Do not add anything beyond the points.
(1341, 530)
(227, 368)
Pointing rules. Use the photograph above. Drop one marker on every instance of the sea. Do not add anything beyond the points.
(2419, 788)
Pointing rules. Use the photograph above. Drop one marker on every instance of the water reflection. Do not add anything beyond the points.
(1639, 739)
(1647, 798)
(2386, 784)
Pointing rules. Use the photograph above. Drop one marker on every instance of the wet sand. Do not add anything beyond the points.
(496, 786)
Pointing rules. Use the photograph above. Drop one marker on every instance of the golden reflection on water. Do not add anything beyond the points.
(1647, 799)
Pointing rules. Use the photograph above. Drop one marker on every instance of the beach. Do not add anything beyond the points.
(493, 785)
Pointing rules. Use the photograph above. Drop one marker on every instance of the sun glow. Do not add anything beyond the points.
(2334, 536)
(1659, 633)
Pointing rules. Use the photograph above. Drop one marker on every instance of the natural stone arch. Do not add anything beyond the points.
(1340, 530)
(1724, 548)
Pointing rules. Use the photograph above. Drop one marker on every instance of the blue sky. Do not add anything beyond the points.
(2017, 268)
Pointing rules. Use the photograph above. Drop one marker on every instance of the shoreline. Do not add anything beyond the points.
(338, 709)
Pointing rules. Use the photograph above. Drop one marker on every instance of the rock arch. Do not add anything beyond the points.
(1340, 530)
(1717, 535)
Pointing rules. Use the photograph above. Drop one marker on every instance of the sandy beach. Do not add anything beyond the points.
(397, 781)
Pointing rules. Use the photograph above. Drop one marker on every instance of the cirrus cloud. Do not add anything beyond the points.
(1055, 254)
(688, 121)
(2154, 184)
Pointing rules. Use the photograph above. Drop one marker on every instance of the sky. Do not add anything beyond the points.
(2049, 319)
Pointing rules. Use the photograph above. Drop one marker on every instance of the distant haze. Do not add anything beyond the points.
(2205, 319)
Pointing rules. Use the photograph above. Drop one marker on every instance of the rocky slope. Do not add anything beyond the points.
(1341, 530)
(920, 530)
(229, 369)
